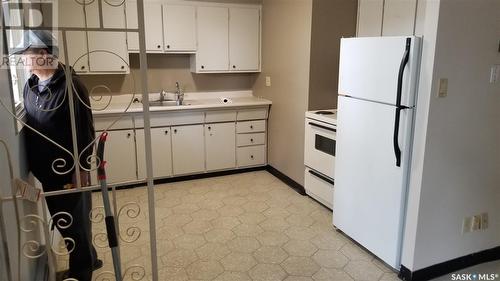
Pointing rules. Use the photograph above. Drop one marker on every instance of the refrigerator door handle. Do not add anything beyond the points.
(399, 107)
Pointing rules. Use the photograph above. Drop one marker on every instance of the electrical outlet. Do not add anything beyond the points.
(268, 81)
(484, 220)
(466, 225)
(476, 223)
(443, 88)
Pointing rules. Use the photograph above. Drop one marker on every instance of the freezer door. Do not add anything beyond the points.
(370, 66)
(369, 187)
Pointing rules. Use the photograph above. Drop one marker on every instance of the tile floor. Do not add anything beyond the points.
(247, 226)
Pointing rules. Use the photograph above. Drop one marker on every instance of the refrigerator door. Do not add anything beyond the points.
(370, 66)
(369, 194)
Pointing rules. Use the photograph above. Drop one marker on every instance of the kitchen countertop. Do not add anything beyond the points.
(193, 101)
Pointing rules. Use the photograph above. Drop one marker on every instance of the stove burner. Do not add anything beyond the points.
(324, 112)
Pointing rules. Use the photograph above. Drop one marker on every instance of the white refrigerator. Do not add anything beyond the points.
(376, 104)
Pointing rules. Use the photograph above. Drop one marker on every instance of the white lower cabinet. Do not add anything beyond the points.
(119, 154)
(251, 155)
(161, 146)
(188, 149)
(220, 146)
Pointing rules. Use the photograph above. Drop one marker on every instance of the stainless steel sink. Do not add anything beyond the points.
(167, 103)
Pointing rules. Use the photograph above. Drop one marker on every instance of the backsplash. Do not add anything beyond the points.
(163, 72)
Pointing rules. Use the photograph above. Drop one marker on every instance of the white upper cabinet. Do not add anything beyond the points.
(386, 18)
(399, 17)
(77, 51)
(370, 17)
(113, 13)
(179, 28)
(106, 54)
(153, 25)
(71, 14)
(244, 39)
(213, 41)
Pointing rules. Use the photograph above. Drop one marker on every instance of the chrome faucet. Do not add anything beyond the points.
(162, 95)
(179, 94)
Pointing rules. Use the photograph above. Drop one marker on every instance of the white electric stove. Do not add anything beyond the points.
(319, 154)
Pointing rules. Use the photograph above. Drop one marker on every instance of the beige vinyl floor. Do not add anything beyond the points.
(248, 226)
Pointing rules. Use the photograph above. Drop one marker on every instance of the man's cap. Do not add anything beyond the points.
(37, 39)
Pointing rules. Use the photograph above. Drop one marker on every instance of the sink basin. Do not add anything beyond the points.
(167, 103)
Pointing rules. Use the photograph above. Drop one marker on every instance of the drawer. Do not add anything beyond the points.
(250, 139)
(319, 187)
(251, 155)
(220, 116)
(252, 114)
(102, 123)
(169, 119)
(251, 126)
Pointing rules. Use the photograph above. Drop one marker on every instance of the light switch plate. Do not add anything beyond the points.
(268, 81)
(495, 73)
(443, 87)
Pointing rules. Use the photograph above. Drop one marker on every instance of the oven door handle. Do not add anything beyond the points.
(322, 127)
(322, 177)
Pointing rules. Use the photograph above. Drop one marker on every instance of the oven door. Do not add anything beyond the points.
(319, 143)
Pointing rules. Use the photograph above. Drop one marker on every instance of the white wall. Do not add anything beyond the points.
(286, 41)
(461, 161)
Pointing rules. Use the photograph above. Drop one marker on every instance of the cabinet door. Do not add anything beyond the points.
(161, 146)
(120, 156)
(188, 153)
(370, 17)
(71, 13)
(244, 39)
(77, 50)
(399, 17)
(220, 146)
(153, 26)
(213, 41)
(113, 13)
(108, 51)
(131, 15)
(179, 28)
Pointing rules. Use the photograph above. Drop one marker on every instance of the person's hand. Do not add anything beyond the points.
(84, 178)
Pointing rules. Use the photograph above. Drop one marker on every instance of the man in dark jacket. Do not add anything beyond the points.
(46, 103)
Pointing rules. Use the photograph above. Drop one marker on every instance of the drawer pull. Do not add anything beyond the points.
(129, 135)
(321, 177)
(159, 46)
(251, 156)
(166, 132)
(251, 126)
(175, 131)
(251, 140)
(209, 128)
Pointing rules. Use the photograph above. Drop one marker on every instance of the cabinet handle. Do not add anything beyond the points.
(159, 46)
(234, 66)
(202, 67)
(251, 140)
(168, 46)
(209, 128)
(175, 131)
(251, 156)
(166, 132)
(251, 126)
(123, 67)
(129, 135)
(83, 67)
